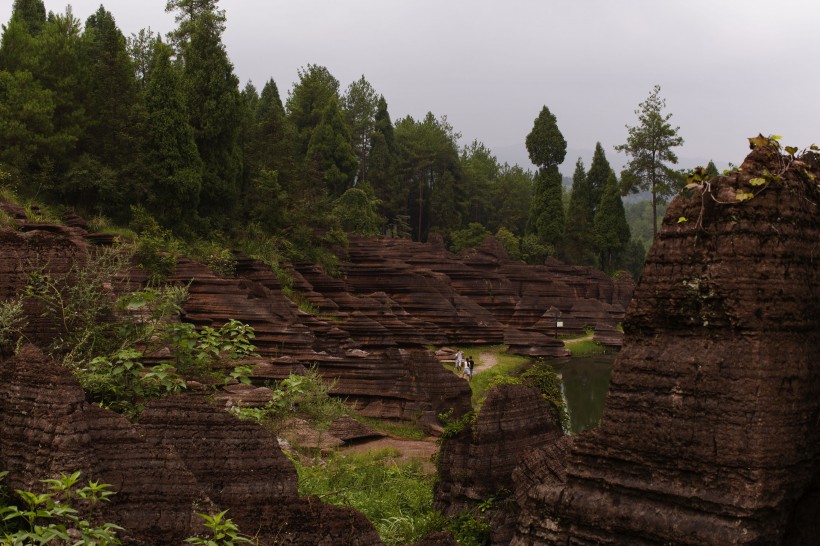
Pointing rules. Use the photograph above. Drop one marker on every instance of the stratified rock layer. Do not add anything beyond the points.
(185, 456)
(711, 427)
(477, 464)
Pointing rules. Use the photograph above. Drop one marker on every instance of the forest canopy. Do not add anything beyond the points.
(148, 126)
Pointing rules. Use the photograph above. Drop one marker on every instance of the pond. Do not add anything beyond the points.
(586, 382)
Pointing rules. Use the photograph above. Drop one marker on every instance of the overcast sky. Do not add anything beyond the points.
(728, 69)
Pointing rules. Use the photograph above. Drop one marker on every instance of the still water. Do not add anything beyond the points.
(585, 381)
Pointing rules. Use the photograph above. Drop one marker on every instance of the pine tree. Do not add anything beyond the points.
(171, 152)
(331, 153)
(611, 229)
(111, 91)
(547, 148)
(360, 104)
(597, 177)
(579, 237)
(308, 100)
(214, 104)
(649, 144)
(381, 172)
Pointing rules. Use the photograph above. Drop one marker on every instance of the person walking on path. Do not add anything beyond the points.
(459, 359)
(468, 368)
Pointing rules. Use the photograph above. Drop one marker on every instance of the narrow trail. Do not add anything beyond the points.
(573, 341)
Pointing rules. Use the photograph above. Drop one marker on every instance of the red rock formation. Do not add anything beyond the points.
(477, 464)
(710, 433)
(184, 456)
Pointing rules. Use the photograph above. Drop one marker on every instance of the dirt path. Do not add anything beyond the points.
(578, 340)
(485, 361)
(408, 450)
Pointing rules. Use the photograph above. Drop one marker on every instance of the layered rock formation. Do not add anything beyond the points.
(185, 456)
(477, 464)
(710, 433)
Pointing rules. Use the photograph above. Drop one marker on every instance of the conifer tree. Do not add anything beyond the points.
(171, 153)
(111, 91)
(330, 152)
(308, 100)
(360, 103)
(547, 148)
(214, 104)
(579, 238)
(381, 172)
(611, 229)
(597, 177)
(649, 146)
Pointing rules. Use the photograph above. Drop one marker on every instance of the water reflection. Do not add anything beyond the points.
(586, 381)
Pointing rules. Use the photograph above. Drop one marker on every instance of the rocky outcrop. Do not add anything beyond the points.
(710, 433)
(477, 464)
(185, 456)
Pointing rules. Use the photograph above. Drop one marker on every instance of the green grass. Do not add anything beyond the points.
(587, 348)
(397, 498)
(508, 365)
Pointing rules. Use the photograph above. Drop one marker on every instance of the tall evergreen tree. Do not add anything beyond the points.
(360, 104)
(111, 91)
(611, 229)
(381, 172)
(331, 153)
(18, 50)
(511, 196)
(171, 152)
(649, 145)
(597, 177)
(481, 170)
(547, 148)
(579, 238)
(429, 174)
(214, 103)
(308, 100)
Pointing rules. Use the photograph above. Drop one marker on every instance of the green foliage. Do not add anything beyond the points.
(579, 242)
(66, 514)
(429, 175)
(156, 249)
(305, 396)
(470, 237)
(649, 146)
(360, 104)
(533, 251)
(454, 426)
(330, 152)
(546, 219)
(397, 498)
(545, 143)
(224, 532)
(12, 323)
(470, 529)
(356, 211)
(544, 378)
(308, 100)
(611, 229)
(510, 242)
(80, 302)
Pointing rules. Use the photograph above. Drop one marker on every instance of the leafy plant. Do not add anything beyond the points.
(12, 322)
(79, 303)
(43, 518)
(306, 396)
(224, 532)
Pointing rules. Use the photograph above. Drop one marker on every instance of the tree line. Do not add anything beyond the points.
(146, 126)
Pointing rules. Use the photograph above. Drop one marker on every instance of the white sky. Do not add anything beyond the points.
(728, 69)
